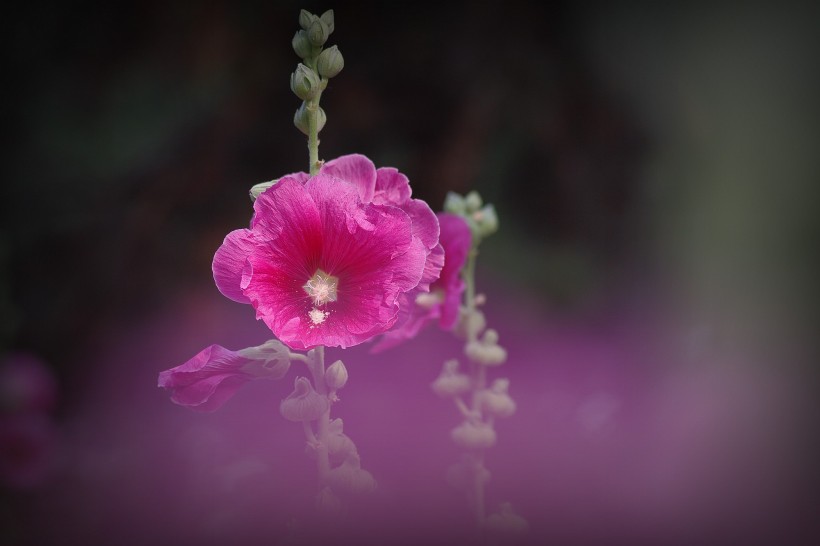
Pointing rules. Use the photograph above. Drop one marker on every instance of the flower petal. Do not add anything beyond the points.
(456, 239)
(432, 268)
(355, 169)
(392, 187)
(229, 261)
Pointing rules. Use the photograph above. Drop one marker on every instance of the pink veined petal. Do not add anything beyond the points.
(229, 261)
(392, 187)
(357, 170)
(373, 267)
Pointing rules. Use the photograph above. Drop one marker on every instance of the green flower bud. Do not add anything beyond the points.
(259, 189)
(330, 62)
(474, 435)
(336, 375)
(306, 19)
(301, 44)
(485, 221)
(304, 403)
(454, 203)
(473, 201)
(304, 82)
(328, 19)
(300, 119)
(318, 33)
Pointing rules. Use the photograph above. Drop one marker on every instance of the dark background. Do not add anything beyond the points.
(641, 155)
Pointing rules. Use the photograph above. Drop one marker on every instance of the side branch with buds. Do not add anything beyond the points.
(478, 402)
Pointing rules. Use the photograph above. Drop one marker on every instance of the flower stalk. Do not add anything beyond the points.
(477, 432)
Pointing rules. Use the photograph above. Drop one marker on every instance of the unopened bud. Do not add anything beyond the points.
(336, 375)
(350, 477)
(304, 403)
(300, 119)
(318, 32)
(485, 221)
(330, 62)
(473, 202)
(470, 324)
(473, 435)
(506, 521)
(306, 19)
(428, 300)
(304, 82)
(329, 19)
(450, 382)
(490, 337)
(259, 189)
(301, 44)
(497, 404)
(488, 355)
(455, 204)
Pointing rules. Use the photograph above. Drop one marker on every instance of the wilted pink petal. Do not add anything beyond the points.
(209, 379)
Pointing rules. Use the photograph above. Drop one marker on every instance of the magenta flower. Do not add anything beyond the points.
(212, 377)
(444, 299)
(328, 259)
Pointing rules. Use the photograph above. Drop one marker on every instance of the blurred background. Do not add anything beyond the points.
(655, 171)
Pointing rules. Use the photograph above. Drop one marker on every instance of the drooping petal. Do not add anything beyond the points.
(355, 169)
(206, 381)
(230, 260)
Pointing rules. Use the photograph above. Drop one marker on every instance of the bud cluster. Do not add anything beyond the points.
(318, 65)
(482, 219)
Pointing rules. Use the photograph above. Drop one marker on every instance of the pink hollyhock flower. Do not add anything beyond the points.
(212, 377)
(328, 259)
(444, 299)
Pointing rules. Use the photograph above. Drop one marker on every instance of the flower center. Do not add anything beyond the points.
(321, 288)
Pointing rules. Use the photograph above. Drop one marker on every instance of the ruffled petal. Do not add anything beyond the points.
(355, 169)
(432, 268)
(229, 261)
(392, 187)
(456, 239)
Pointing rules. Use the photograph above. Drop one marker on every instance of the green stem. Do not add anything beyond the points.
(479, 376)
(313, 135)
(317, 369)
